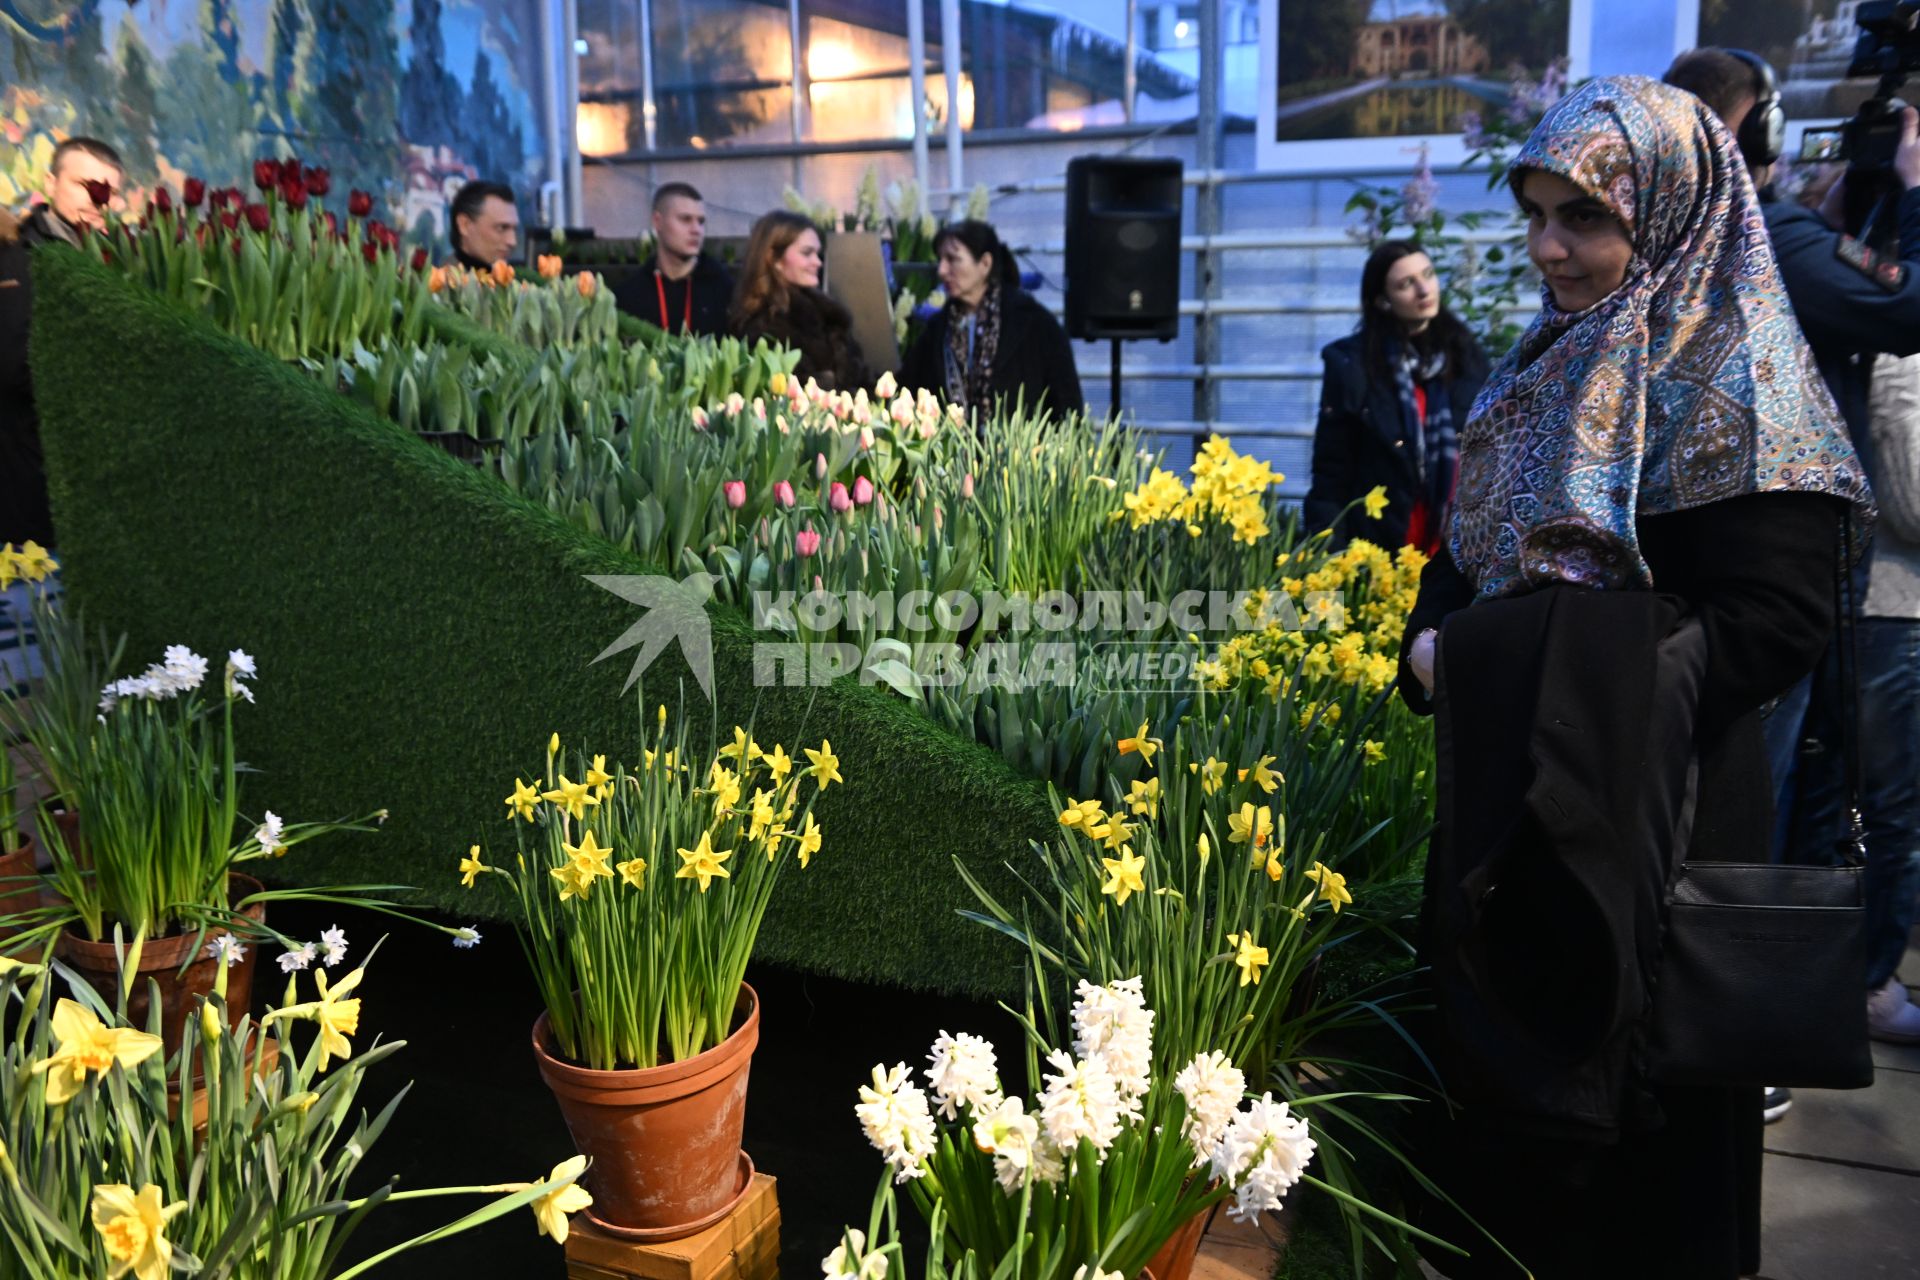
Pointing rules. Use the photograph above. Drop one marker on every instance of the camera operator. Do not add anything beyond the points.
(1854, 304)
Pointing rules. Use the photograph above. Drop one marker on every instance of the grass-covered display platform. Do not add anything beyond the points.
(421, 631)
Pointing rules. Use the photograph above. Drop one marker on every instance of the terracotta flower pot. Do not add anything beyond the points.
(664, 1141)
(161, 959)
(1175, 1259)
(18, 894)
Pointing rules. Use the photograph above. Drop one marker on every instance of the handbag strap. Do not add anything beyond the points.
(1852, 846)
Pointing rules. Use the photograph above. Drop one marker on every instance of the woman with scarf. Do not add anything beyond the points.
(1645, 539)
(993, 344)
(1391, 404)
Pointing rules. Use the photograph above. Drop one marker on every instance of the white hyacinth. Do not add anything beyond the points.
(1049, 1166)
(333, 942)
(1213, 1087)
(300, 959)
(964, 1073)
(466, 938)
(1095, 1273)
(269, 833)
(1113, 1023)
(1263, 1153)
(227, 949)
(1007, 1133)
(851, 1261)
(894, 1113)
(1081, 1100)
(240, 668)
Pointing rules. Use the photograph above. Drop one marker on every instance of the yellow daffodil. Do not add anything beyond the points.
(779, 763)
(132, 1226)
(574, 797)
(1140, 742)
(551, 1209)
(1143, 798)
(1264, 778)
(725, 785)
(1374, 752)
(524, 800)
(763, 815)
(33, 561)
(9, 965)
(744, 749)
(1275, 869)
(809, 838)
(1125, 876)
(1084, 814)
(598, 778)
(335, 1015)
(1205, 848)
(89, 1047)
(590, 856)
(471, 867)
(576, 879)
(1250, 958)
(1117, 833)
(702, 862)
(1333, 885)
(1251, 826)
(1213, 774)
(1375, 502)
(825, 765)
(634, 872)
(9, 567)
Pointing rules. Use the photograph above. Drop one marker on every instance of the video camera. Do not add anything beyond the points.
(1888, 47)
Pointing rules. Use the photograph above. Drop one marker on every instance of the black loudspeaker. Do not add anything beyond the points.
(1123, 247)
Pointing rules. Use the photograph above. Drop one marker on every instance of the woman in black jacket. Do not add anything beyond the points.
(993, 343)
(1395, 395)
(779, 299)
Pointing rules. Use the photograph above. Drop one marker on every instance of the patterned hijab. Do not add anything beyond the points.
(1689, 384)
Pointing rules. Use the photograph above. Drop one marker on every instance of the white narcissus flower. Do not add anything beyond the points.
(466, 938)
(227, 949)
(897, 1122)
(184, 669)
(1081, 1100)
(240, 667)
(269, 833)
(1095, 1273)
(1213, 1087)
(333, 942)
(1263, 1153)
(964, 1073)
(300, 959)
(1114, 1024)
(1008, 1134)
(851, 1261)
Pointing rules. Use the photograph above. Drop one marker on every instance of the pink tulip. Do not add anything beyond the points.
(866, 437)
(700, 418)
(886, 386)
(736, 404)
(806, 542)
(783, 494)
(862, 491)
(837, 498)
(902, 411)
(966, 486)
(736, 491)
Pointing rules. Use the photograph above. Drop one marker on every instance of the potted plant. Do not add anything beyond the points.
(151, 880)
(104, 1178)
(639, 891)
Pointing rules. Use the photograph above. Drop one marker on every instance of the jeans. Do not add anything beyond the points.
(1889, 750)
(1783, 729)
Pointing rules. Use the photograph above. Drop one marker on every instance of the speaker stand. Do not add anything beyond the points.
(1113, 401)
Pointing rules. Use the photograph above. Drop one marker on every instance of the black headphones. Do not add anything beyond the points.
(1763, 134)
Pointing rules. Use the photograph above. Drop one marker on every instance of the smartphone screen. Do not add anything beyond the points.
(1817, 145)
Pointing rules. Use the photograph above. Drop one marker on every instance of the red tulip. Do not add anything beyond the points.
(359, 203)
(319, 181)
(98, 192)
(192, 192)
(229, 219)
(258, 217)
(292, 190)
(233, 199)
(333, 224)
(370, 250)
(162, 200)
(419, 259)
(234, 244)
(266, 174)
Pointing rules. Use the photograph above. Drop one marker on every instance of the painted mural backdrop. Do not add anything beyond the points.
(406, 99)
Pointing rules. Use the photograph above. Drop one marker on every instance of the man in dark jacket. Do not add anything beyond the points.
(1852, 303)
(679, 288)
(83, 180)
(485, 225)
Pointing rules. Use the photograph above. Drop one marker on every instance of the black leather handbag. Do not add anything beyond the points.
(1762, 970)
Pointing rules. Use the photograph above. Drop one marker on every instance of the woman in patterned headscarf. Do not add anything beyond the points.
(1660, 428)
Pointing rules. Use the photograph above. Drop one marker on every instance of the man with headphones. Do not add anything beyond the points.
(1854, 305)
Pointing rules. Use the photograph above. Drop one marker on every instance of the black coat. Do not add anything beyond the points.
(24, 512)
(1034, 359)
(1361, 442)
(821, 330)
(1755, 575)
(709, 288)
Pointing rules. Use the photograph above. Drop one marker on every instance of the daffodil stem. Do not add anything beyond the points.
(425, 1193)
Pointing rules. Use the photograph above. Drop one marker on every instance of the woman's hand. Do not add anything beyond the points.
(1421, 658)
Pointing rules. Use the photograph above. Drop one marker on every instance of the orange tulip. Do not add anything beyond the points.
(585, 281)
(502, 273)
(549, 264)
(437, 280)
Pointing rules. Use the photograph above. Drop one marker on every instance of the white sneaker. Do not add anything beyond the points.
(1891, 1016)
(1774, 1103)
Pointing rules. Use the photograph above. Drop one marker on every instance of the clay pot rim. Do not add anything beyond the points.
(740, 1042)
(679, 1231)
(166, 952)
(27, 849)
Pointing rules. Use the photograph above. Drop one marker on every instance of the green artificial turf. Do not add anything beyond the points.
(420, 631)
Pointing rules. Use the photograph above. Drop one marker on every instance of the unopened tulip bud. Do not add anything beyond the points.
(966, 486)
(866, 437)
(819, 466)
(838, 499)
(783, 493)
(862, 491)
